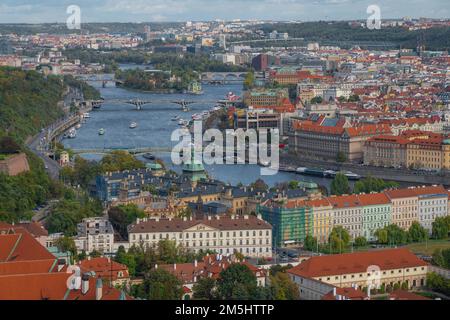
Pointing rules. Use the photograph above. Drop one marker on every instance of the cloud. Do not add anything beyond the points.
(182, 10)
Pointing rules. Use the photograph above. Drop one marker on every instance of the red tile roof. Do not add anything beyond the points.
(356, 262)
(50, 286)
(405, 295)
(103, 268)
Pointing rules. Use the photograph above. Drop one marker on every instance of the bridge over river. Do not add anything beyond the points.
(133, 151)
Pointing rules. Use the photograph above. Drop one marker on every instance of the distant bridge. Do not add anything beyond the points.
(133, 151)
(138, 104)
(223, 76)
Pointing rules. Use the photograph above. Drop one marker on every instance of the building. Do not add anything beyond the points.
(36, 229)
(314, 276)
(257, 119)
(376, 213)
(28, 271)
(386, 151)
(95, 234)
(347, 212)
(413, 149)
(106, 269)
(404, 207)
(322, 213)
(265, 97)
(292, 221)
(225, 235)
(260, 62)
(209, 267)
(327, 138)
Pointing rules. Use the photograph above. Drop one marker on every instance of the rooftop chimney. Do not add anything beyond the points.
(334, 292)
(99, 289)
(84, 283)
(174, 266)
(195, 263)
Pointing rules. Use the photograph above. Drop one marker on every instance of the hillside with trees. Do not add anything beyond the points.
(337, 32)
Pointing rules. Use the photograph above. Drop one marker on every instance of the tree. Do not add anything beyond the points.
(339, 239)
(66, 244)
(236, 282)
(360, 241)
(382, 236)
(341, 157)
(160, 284)
(438, 283)
(293, 185)
(124, 215)
(283, 288)
(340, 185)
(440, 228)
(316, 100)
(417, 233)
(204, 289)
(260, 185)
(119, 161)
(372, 184)
(249, 80)
(391, 234)
(441, 257)
(310, 243)
(8, 145)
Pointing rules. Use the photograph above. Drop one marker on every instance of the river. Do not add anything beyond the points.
(155, 128)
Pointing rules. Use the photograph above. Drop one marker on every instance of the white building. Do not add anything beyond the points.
(95, 234)
(225, 235)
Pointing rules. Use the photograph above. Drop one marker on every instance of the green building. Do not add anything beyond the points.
(290, 223)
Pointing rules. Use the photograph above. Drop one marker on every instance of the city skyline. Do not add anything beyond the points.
(30, 11)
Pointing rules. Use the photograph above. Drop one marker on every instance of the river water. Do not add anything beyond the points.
(155, 128)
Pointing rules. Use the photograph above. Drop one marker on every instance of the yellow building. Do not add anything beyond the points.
(322, 211)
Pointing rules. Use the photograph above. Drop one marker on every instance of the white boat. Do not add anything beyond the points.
(78, 126)
(133, 125)
(86, 115)
(301, 169)
(175, 118)
(329, 173)
(72, 133)
(352, 176)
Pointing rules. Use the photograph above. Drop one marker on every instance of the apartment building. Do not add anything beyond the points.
(404, 207)
(432, 203)
(292, 221)
(325, 139)
(95, 234)
(225, 235)
(347, 212)
(376, 213)
(316, 276)
(322, 212)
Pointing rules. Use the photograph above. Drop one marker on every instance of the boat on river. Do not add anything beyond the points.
(101, 132)
(133, 125)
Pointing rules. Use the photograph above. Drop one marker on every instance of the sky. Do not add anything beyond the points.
(38, 11)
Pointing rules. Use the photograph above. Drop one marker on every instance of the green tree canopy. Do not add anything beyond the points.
(339, 239)
(340, 185)
(204, 289)
(417, 233)
(160, 284)
(237, 282)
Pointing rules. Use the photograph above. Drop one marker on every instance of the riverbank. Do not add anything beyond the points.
(390, 174)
